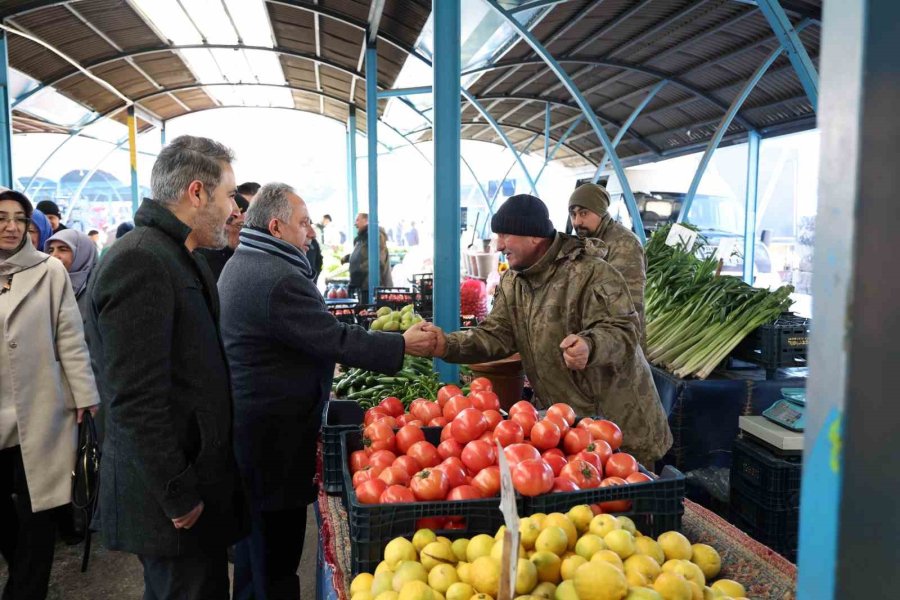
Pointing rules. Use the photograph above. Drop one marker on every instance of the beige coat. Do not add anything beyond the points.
(51, 371)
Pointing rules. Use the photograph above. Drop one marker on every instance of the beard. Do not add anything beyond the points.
(583, 231)
(210, 228)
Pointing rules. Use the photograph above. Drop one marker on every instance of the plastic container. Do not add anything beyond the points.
(345, 312)
(394, 298)
(337, 417)
(777, 529)
(507, 378)
(773, 481)
(423, 287)
(372, 526)
(777, 345)
(365, 315)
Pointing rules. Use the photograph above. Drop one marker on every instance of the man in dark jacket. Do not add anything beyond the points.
(282, 345)
(170, 490)
(359, 258)
(216, 258)
(314, 255)
(51, 211)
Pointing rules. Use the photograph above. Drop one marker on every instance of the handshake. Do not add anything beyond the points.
(425, 339)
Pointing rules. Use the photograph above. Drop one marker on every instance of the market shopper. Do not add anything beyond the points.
(39, 229)
(217, 257)
(46, 384)
(588, 211)
(78, 254)
(282, 345)
(169, 487)
(570, 316)
(359, 258)
(51, 210)
(314, 255)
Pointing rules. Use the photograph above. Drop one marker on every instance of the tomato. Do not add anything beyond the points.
(478, 455)
(614, 505)
(468, 425)
(481, 384)
(447, 392)
(545, 435)
(591, 458)
(432, 523)
(373, 414)
(416, 423)
(455, 406)
(382, 459)
(621, 464)
(464, 492)
(395, 494)
(364, 475)
(638, 478)
(438, 422)
(447, 432)
(523, 406)
(430, 484)
(404, 419)
(509, 432)
(369, 492)
(407, 436)
(609, 432)
(485, 400)
(600, 448)
(378, 436)
(574, 442)
(487, 436)
(564, 411)
(408, 464)
(424, 410)
(526, 420)
(584, 423)
(392, 406)
(556, 461)
(493, 417)
(425, 454)
(561, 484)
(454, 471)
(516, 453)
(487, 481)
(560, 422)
(414, 406)
(583, 473)
(394, 476)
(358, 460)
(551, 451)
(532, 477)
(449, 448)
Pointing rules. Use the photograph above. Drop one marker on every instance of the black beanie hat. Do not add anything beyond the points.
(49, 207)
(523, 215)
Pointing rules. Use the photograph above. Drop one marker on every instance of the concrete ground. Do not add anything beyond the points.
(118, 575)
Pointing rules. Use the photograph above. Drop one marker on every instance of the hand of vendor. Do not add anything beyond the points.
(440, 348)
(420, 341)
(576, 352)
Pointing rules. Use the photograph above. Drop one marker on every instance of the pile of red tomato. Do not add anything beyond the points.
(545, 455)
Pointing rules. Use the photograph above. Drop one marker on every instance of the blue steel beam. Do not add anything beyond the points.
(132, 156)
(6, 128)
(750, 207)
(352, 199)
(586, 108)
(559, 143)
(447, 112)
(425, 89)
(372, 142)
(535, 4)
(493, 199)
(724, 124)
(790, 40)
(628, 122)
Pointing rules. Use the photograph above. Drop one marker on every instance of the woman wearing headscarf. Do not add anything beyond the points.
(39, 229)
(46, 384)
(78, 254)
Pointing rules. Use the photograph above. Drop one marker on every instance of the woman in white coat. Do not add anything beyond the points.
(46, 384)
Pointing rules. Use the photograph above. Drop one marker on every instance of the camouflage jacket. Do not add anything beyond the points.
(573, 290)
(627, 256)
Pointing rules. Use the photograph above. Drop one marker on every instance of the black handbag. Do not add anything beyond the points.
(86, 478)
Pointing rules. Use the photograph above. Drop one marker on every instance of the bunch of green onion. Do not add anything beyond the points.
(695, 317)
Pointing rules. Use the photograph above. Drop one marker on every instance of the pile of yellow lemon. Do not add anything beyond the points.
(572, 556)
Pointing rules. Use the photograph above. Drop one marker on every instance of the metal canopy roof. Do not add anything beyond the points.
(616, 52)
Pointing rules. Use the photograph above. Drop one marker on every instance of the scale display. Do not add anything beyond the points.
(786, 414)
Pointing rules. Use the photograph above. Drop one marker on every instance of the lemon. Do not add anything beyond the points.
(437, 553)
(603, 524)
(528, 530)
(711, 594)
(627, 524)
(545, 589)
(560, 520)
(416, 590)
(588, 545)
(570, 565)
(361, 583)
(387, 595)
(398, 550)
(366, 595)
(643, 564)
(581, 517)
(566, 591)
(610, 557)
(538, 518)
(460, 591)
(621, 542)
(486, 575)
(675, 545)
(636, 579)
(729, 587)
(707, 558)
(459, 548)
(383, 582)
(526, 576)
(552, 539)
(500, 532)
(672, 586)
(642, 593)
(686, 569)
(382, 567)
(444, 540)
(497, 550)
(547, 565)
(479, 546)
(649, 546)
(437, 595)
(482, 597)
(408, 571)
(422, 538)
(600, 581)
(441, 577)
(696, 591)
(464, 570)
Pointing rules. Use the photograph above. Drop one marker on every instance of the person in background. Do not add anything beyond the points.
(51, 211)
(216, 259)
(314, 255)
(412, 236)
(78, 254)
(359, 258)
(321, 226)
(121, 230)
(46, 384)
(570, 316)
(169, 487)
(248, 190)
(282, 345)
(39, 229)
(95, 237)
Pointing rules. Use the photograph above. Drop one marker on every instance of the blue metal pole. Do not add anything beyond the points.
(6, 128)
(132, 155)
(425, 89)
(750, 206)
(559, 143)
(628, 122)
(790, 40)
(446, 172)
(352, 199)
(372, 143)
(724, 124)
(585, 107)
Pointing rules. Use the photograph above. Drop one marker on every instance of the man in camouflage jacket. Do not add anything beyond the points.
(588, 206)
(570, 316)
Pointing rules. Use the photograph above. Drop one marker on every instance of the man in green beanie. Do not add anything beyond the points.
(588, 206)
(570, 316)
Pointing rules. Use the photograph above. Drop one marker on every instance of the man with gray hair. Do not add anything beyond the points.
(169, 488)
(282, 345)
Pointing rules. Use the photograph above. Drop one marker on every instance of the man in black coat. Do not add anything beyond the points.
(282, 345)
(169, 489)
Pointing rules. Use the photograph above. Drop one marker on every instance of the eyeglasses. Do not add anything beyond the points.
(19, 222)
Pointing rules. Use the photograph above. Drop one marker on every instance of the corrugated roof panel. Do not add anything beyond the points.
(58, 26)
(340, 43)
(125, 78)
(614, 32)
(87, 92)
(34, 60)
(335, 82)
(294, 28)
(164, 106)
(197, 99)
(298, 71)
(166, 68)
(119, 22)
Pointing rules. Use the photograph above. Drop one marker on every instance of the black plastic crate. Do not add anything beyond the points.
(773, 481)
(423, 286)
(372, 526)
(365, 315)
(777, 529)
(345, 312)
(338, 416)
(777, 345)
(656, 506)
(394, 298)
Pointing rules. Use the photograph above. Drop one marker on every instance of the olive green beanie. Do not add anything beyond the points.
(590, 196)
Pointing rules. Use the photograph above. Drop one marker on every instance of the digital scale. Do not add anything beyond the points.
(788, 412)
(780, 440)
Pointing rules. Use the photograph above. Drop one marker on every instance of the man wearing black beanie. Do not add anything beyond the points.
(570, 316)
